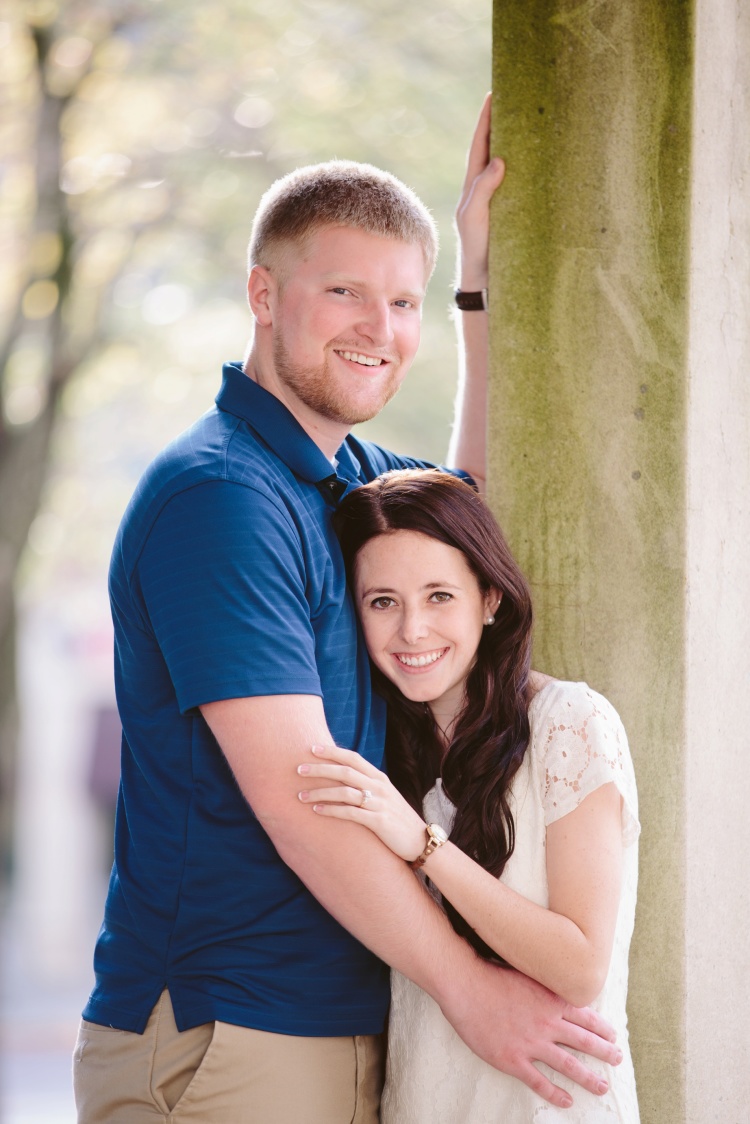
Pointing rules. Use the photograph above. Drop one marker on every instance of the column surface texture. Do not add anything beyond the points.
(619, 406)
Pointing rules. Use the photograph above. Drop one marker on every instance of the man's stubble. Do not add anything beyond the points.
(316, 387)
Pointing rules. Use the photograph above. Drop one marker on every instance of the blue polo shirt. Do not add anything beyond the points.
(227, 581)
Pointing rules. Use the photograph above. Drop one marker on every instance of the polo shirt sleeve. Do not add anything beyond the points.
(221, 580)
(376, 460)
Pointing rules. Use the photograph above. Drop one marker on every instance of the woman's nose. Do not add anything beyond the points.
(414, 626)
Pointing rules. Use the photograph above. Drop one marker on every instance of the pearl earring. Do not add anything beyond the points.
(490, 620)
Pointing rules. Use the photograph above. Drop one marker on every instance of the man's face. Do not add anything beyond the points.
(348, 322)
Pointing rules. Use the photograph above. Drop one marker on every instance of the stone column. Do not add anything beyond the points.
(620, 465)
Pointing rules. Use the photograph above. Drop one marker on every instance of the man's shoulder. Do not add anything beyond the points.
(375, 459)
(217, 449)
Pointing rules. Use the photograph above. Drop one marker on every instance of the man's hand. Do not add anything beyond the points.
(510, 1021)
(483, 177)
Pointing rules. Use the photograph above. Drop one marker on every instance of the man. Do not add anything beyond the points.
(241, 966)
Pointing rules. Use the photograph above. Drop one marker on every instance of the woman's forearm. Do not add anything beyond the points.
(566, 947)
(550, 948)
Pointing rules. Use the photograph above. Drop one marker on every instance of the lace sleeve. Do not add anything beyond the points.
(582, 745)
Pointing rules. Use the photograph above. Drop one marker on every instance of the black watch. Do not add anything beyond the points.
(472, 302)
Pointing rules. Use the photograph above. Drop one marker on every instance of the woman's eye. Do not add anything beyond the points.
(441, 597)
(381, 603)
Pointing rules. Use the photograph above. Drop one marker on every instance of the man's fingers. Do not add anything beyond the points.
(479, 151)
(567, 1065)
(543, 1087)
(590, 1020)
(487, 183)
(590, 1043)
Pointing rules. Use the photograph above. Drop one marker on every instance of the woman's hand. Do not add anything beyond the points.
(366, 796)
(483, 177)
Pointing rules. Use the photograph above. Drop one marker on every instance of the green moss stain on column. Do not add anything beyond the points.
(589, 283)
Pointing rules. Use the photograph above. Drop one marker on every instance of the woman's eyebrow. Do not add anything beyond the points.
(428, 585)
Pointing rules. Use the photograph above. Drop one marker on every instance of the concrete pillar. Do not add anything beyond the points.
(620, 464)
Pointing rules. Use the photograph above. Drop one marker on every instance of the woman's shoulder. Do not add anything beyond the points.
(559, 701)
(578, 743)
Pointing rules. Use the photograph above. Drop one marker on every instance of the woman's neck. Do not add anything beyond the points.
(445, 719)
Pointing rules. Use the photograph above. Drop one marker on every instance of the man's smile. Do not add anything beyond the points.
(358, 357)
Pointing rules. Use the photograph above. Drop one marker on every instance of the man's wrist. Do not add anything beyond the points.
(472, 300)
(472, 276)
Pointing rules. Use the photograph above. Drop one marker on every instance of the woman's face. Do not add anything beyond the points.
(422, 612)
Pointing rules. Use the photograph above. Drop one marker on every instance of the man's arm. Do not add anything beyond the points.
(504, 1017)
(468, 448)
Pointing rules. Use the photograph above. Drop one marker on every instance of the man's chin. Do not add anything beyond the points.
(351, 413)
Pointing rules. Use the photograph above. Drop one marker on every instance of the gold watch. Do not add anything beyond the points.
(436, 836)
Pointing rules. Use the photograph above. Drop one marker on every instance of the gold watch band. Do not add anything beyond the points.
(436, 837)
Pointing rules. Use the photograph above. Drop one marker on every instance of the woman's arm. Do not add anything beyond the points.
(566, 947)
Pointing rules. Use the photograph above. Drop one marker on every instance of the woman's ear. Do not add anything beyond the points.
(492, 599)
(261, 295)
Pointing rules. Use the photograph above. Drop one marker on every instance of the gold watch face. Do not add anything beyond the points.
(437, 832)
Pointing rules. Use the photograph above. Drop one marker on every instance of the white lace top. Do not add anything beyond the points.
(577, 744)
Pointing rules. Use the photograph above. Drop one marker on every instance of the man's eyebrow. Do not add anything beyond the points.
(346, 279)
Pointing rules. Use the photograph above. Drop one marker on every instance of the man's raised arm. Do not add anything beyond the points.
(468, 448)
(504, 1017)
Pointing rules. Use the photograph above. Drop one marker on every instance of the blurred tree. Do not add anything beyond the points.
(140, 135)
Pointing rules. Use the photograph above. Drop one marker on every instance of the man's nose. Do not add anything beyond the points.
(375, 323)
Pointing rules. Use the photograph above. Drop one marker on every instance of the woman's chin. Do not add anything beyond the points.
(414, 689)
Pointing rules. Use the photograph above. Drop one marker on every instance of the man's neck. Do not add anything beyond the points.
(328, 435)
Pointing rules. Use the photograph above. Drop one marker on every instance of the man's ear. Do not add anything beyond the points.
(262, 291)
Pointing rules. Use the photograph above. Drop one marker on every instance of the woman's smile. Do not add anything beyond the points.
(419, 661)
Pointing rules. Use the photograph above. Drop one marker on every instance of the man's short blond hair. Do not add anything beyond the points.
(339, 193)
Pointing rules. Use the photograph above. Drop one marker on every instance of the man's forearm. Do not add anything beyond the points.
(468, 447)
(377, 898)
(370, 891)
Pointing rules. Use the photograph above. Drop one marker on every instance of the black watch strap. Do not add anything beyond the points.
(472, 302)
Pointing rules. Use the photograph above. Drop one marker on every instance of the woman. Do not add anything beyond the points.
(531, 777)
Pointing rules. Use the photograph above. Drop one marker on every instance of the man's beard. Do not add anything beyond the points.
(316, 387)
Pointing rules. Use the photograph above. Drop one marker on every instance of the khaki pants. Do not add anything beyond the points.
(223, 1074)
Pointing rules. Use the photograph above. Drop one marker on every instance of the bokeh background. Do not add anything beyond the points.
(136, 139)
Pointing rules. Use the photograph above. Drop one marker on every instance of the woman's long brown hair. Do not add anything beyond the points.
(490, 737)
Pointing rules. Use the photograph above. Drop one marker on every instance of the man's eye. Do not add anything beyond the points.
(403, 304)
(340, 289)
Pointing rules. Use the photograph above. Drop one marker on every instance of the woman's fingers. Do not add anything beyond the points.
(354, 797)
(343, 773)
(346, 757)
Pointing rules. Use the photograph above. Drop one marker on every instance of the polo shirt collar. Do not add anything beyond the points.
(277, 426)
